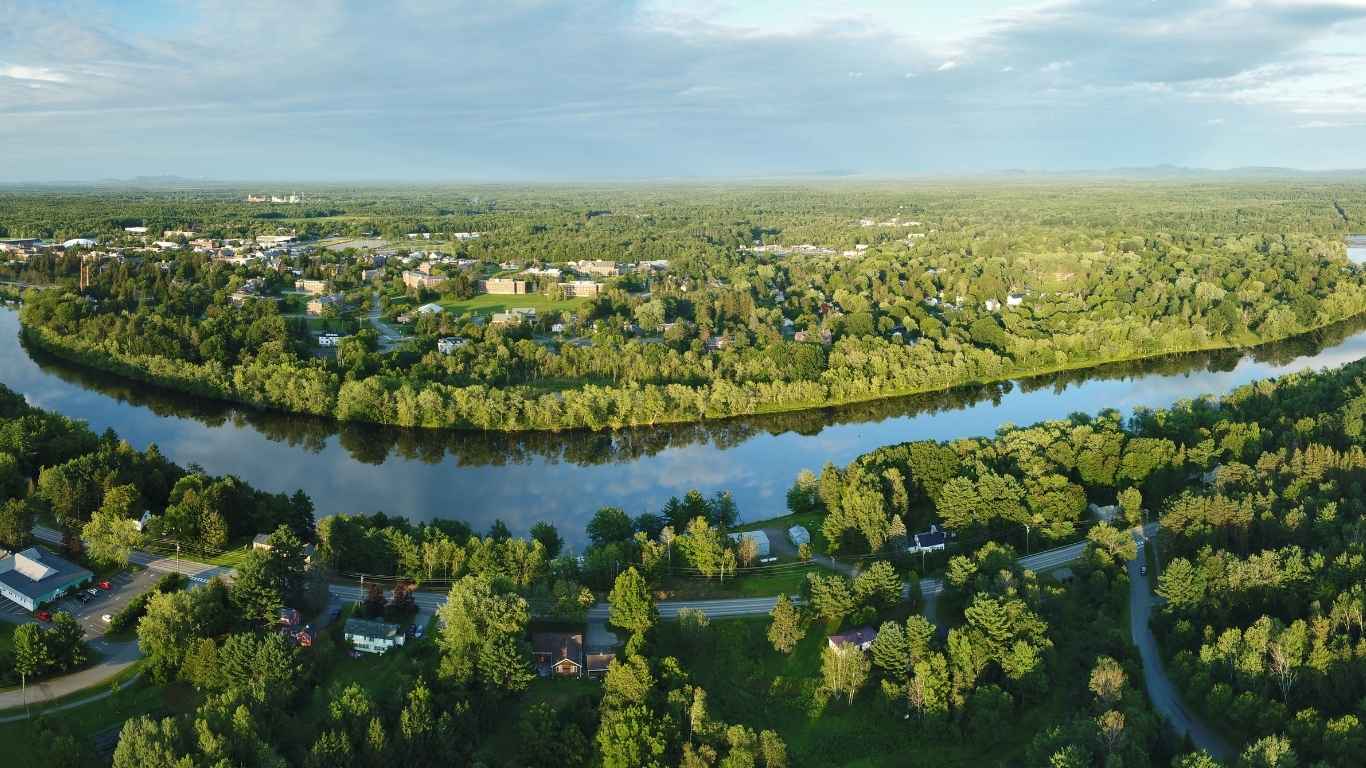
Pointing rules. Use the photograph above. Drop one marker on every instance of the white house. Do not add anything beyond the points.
(140, 524)
(449, 344)
(372, 636)
(135, 230)
(430, 309)
(932, 540)
(1014, 300)
(991, 305)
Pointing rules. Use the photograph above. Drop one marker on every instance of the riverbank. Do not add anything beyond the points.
(377, 402)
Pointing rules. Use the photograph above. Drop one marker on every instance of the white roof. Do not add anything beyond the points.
(29, 562)
(430, 309)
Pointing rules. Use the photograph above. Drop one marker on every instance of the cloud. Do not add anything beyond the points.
(1215, 121)
(39, 74)
(549, 88)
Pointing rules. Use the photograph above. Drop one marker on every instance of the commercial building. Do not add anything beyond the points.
(580, 289)
(502, 286)
(318, 304)
(314, 287)
(36, 576)
(414, 279)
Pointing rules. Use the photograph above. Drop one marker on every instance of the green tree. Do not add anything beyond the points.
(549, 537)
(844, 670)
(257, 590)
(830, 596)
(110, 535)
(630, 606)
(147, 743)
(610, 524)
(785, 629)
(878, 586)
(16, 523)
(164, 631)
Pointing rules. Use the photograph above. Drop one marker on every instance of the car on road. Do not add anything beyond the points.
(1143, 570)
(93, 592)
(43, 616)
(106, 618)
(418, 634)
(105, 585)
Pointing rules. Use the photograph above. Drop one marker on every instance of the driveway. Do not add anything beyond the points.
(1161, 691)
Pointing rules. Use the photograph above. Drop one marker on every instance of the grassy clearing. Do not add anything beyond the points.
(811, 521)
(487, 304)
(29, 742)
(500, 744)
(747, 681)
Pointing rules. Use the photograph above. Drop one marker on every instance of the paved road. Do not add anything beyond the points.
(1161, 691)
(114, 659)
(389, 336)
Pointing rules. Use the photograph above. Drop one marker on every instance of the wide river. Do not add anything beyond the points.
(564, 477)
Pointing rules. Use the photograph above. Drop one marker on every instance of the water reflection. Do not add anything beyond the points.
(563, 477)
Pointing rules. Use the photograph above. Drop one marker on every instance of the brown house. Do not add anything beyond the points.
(558, 653)
(598, 660)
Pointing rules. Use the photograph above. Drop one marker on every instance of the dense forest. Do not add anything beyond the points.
(899, 290)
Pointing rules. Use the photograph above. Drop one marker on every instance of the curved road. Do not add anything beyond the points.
(1161, 691)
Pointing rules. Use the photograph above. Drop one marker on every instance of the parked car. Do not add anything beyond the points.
(105, 585)
(106, 618)
(93, 592)
(43, 616)
(1143, 570)
(418, 633)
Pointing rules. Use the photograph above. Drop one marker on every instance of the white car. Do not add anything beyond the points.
(106, 618)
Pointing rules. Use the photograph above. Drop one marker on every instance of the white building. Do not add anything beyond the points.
(430, 309)
(372, 636)
(1014, 300)
(140, 524)
(135, 230)
(449, 344)
(992, 305)
(79, 242)
(330, 340)
(759, 537)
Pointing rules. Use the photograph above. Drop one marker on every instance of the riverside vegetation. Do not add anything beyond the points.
(1258, 494)
(912, 289)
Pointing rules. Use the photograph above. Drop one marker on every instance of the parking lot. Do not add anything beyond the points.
(89, 609)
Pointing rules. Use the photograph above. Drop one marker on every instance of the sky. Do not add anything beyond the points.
(527, 90)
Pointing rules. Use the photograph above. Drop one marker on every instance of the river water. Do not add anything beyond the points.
(565, 477)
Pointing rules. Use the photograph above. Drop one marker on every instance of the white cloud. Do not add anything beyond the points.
(948, 65)
(39, 74)
(1215, 121)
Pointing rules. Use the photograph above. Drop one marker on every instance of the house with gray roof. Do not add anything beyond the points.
(36, 576)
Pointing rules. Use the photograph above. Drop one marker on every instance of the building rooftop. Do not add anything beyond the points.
(35, 572)
(366, 628)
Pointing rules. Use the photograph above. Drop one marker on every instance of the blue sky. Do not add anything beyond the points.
(548, 90)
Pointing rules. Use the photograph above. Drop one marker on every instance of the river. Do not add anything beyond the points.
(563, 478)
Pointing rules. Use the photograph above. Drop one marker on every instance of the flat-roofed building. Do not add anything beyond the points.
(580, 289)
(35, 576)
(502, 286)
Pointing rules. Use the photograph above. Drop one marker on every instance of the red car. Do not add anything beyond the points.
(43, 616)
(103, 585)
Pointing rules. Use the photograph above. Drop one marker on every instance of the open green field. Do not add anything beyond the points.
(747, 681)
(33, 742)
(487, 304)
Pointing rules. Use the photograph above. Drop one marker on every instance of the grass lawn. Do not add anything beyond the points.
(761, 584)
(487, 304)
(748, 682)
(28, 742)
(499, 745)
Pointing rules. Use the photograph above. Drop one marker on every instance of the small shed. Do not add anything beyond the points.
(798, 535)
(759, 537)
